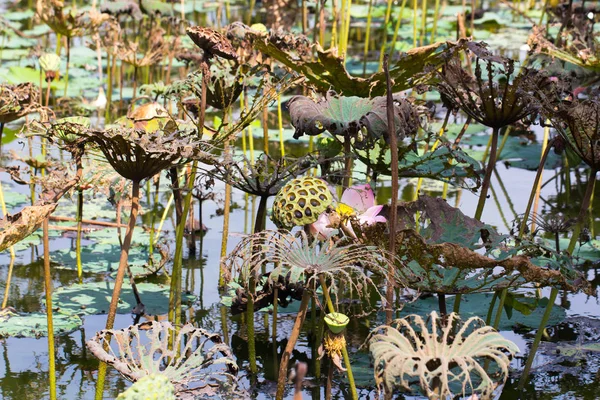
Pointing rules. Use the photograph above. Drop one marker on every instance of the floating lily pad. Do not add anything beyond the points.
(101, 258)
(36, 325)
(478, 304)
(94, 298)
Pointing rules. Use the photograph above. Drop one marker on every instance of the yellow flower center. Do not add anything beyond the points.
(345, 210)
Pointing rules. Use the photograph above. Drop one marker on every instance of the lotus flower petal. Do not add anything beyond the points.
(359, 197)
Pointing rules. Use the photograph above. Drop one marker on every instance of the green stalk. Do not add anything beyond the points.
(488, 174)
(109, 85)
(585, 206)
(436, 14)
(331, 309)
(280, 124)
(423, 21)
(250, 327)
(397, 27)
(367, 37)
(415, 8)
(78, 239)
(388, 12)
(48, 290)
(68, 62)
(8, 279)
(176, 275)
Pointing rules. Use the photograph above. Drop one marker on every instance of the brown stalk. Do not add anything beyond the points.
(394, 201)
(285, 357)
(112, 311)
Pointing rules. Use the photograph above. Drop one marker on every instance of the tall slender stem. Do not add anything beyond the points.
(345, 355)
(285, 357)
(48, 290)
(585, 205)
(488, 174)
(393, 140)
(112, 310)
(78, 239)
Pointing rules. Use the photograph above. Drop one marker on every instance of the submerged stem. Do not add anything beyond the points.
(48, 290)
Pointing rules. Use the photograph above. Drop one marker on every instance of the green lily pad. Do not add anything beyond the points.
(478, 304)
(100, 258)
(94, 298)
(36, 325)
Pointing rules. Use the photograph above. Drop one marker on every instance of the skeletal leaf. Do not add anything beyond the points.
(440, 357)
(196, 360)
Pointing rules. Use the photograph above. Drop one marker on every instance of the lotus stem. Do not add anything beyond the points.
(386, 21)
(394, 200)
(335, 16)
(8, 279)
(110, 61)
(86, 221)
(4, 214)
(538, 338)
(48, 290)
(503, 294)
(261, 215)
(488, 318)
(112, 311)
(285, 357)
(488, 174)
(250, 327)
(442, 304)
(275, 306)
(78, 239)
(344, 350)
(436, 12)
(585, 206)
(415, 19)
(536, 187)
(280, 124)
(423, 22)
(348, 162)
(226, 212)
(1, 135)
(341, 49)
(176, 275)
(153, 220)
(367, 37)
(397, 27)
(68, 39)
(265, 126)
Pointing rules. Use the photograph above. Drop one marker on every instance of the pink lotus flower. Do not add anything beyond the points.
(357, 202)
(361, 199)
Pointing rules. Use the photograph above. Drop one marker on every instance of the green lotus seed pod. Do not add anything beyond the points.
(151, 387)
(300, 202)
(259, 28)
(50, 62)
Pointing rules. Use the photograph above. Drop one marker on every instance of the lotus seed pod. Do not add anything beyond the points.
(300, 202)
(151, 387)
(50, 62)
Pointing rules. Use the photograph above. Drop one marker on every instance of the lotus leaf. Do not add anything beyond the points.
(14, 228)
(36, 325)
(444, 256)
(478, 304)
(329, 71)
(347, 116)
(94, 298)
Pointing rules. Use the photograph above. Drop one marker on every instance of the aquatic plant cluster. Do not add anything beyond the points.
(354, 149)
